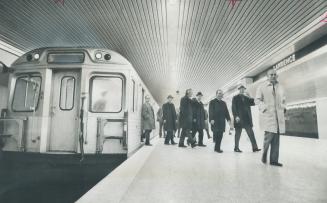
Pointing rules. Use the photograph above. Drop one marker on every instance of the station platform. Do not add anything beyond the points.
(166, 173)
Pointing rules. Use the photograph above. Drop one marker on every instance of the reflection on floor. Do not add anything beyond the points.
(164, 173)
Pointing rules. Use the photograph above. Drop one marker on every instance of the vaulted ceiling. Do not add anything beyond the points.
(173, 44)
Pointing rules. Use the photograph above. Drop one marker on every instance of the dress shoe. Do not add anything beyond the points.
(193, 145)
(256, 150)
(202, 145)
(219, 151)
(148, 144)
(264, 160)
(276, 164)
(173, 143)
(181, 146)
(166, 143)
(237, 150)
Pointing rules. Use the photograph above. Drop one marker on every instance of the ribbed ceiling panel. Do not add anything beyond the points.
(173, 44)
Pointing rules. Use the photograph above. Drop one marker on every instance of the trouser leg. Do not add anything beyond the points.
(189, 135)
(172, 137)
(238, 132)
(219, 136)
(160, 129)
(200, 136)
(147, 136)
(167, 138)
(183, 134)
(208, 134)
(274, 150)
(250, 133)
(267, 140)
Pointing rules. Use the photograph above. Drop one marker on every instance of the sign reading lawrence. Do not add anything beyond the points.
(285, 62)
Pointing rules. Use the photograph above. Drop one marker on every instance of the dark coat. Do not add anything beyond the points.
(169, 115)
(198, 115)
(241, 107)
(186, 113)
(219, 113)
(148, 120)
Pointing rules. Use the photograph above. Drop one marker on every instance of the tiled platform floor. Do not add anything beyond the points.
(164, 173)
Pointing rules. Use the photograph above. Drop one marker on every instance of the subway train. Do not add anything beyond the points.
(69, 107)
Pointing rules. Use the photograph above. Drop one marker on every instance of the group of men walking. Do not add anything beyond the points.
(193, 118)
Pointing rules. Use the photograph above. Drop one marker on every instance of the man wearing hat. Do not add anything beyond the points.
(241, 108)
(198, 118)
(169, 119)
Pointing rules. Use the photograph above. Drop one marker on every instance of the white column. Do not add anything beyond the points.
(322, 118)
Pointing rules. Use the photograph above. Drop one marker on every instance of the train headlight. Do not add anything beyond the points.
(98, 55)
(107, 57)
(29, 57)
(36, 56)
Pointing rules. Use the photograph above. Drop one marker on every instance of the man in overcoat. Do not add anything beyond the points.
(148, 120)
(218, 114)
(169, 120)
(271, 99)
(198, 118)
(186, 119)
(241, 108)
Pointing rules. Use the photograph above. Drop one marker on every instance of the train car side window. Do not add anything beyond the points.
(133, 95)
(26, 93)
(106, 94)
(67, 93)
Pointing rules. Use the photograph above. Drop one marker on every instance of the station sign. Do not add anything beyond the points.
(286, 61)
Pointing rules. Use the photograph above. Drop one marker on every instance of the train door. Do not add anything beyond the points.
(64, 111)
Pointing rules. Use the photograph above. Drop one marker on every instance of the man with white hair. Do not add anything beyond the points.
(271, 99)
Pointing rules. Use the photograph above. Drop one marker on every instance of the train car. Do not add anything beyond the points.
(72, 106)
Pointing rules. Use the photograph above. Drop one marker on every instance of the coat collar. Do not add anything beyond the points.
(270, 84)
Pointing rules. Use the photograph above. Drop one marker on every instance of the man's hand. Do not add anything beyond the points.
(212, 122)
(246, 94)
(237, 119)
(165, 121)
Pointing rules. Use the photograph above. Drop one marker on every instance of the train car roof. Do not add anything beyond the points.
(69, 55)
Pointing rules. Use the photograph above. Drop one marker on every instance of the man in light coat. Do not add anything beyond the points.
(148, 121)
(271, 100)
(160, 121)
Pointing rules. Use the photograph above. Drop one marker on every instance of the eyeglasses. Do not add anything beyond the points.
(272, 74)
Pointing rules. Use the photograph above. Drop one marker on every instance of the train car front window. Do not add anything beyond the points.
(106, 94)
(64, 58)
(67, 93)
(26, 93)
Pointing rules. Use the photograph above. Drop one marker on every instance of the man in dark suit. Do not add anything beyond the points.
(218, 114)
(241, 107)
(198, 118)
(186, 119)
(169, 120)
